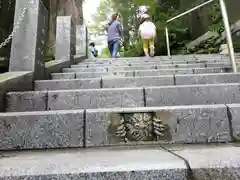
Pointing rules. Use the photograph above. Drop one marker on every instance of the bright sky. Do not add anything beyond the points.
(90, 8)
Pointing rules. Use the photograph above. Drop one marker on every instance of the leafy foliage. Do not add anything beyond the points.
(160, 11)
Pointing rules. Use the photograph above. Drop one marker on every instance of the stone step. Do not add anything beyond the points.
(189, 61)
(123, 97)
(159, 58)
(147, 67)
(115, 127)
(140, 73)
(118, 82)
(189, 162)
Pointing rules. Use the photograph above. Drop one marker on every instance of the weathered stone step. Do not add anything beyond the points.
(190, 162)
(118, 82)
(123, 97)
(139, 73)
(146, 67)
(111, 127)
(159, 58)
(191, 61)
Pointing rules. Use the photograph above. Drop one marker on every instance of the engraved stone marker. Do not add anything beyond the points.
(81, 40)
(65, 38)
(28, 42)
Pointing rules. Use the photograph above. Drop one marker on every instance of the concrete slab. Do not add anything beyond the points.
(94, 83)
(104, 74)
(156, 125)
(111, 164)
(26, 101)
(40, 130)
(137, 81)
(95, 98)
(211, 162)
(234, 116)
(63, 75)
(193, 94)
(207, 78)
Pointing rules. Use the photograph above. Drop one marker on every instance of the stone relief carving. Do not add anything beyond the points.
(140, 126)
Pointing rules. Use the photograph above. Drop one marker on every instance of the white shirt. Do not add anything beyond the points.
(147, 30)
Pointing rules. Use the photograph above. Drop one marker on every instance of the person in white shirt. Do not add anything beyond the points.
(147, 31)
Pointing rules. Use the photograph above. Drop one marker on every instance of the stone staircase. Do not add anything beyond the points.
(129, 118)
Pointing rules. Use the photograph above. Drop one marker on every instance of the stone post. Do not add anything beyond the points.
(28, 42)
(65, 39)
(81, 40)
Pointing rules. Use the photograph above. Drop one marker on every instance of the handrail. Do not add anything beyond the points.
(189, 11)
(226, 25)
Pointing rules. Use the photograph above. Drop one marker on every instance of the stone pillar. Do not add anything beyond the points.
(81, 40)
(28, 42)
(65, 39)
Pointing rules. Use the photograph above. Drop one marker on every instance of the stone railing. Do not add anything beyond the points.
(27, 51)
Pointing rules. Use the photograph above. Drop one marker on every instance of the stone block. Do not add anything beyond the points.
(90, 75)
(14, 81)
(95, 98)
(219, 65)
(137, 81)
(209, 70)
(29, 40)
(105, 74)
(98, 70)
(195, 65)
(176, 124)
(26, 101)
(41, 130)
(234, 112)
(63, 75)
(81, 43)
(65, 39)
(202, 39)
(100, 164)
(162, 72)
(68, 84)
(207, 78)
(55, 67)
(212, 162)
(192, 94)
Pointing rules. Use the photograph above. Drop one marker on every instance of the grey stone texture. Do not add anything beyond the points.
(162, 72)
(234, 111)
(68, 84)
(55, 67)
(207, 78)
(193, 94)
(212, 162)
(81, 40)
(41, 130)
(187, 124)
(211, 70)
(95, 98)
(95, 164)
(29, 40)
(98, 70)
(26, 101)
(154, 66)
(14, 81)
(65, 39)
(63, 75)
(137, 81)
(80, 75)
